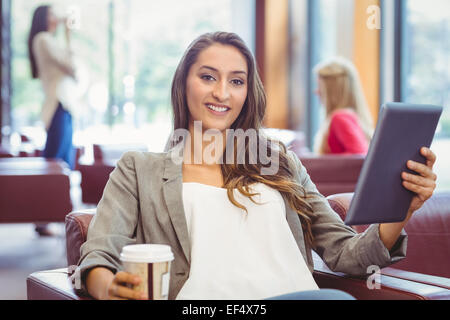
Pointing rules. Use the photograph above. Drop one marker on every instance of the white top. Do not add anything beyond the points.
(56, 71)
(235, 255)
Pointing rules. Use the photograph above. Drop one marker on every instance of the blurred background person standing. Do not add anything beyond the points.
(54, 66)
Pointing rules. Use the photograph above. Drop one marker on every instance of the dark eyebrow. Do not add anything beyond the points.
(215, 70)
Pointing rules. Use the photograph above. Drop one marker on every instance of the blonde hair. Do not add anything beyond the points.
(341, 89)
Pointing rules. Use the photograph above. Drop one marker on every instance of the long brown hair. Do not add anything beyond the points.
(235, 175)
(38, 24)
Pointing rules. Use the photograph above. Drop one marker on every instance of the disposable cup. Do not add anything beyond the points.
(151, 262)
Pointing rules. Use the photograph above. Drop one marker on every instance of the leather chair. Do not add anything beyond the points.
(395, 283)
(333, 174)
(95, 172)
(428, 253)
(94, 175)
(93, 180)
(28, 185)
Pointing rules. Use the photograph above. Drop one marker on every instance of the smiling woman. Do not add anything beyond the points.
(235, 231)
(216, 87)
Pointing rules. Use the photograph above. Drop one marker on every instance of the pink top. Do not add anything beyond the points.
(345, 134)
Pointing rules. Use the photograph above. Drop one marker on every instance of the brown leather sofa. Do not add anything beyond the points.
(431, 255)
(94, 177)
(428, 232)
(95, 172)
(28, 185)
(333, 174)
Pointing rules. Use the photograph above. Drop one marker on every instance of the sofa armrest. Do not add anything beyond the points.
(77, 224)
(52, 285)
(391, 288)
(417, 277)
(57, 285)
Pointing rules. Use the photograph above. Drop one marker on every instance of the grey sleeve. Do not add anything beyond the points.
(114, 225)
(340, 247)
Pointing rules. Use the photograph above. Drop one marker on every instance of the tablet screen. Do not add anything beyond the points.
(402, 130)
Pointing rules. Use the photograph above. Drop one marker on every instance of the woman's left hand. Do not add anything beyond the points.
(424, 183)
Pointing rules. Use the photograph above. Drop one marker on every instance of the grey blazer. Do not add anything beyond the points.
(142, 203)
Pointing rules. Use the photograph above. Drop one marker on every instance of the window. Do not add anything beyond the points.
(425, 68)
(324, 15)
(313, 38)
(319, 29)
(127, 53)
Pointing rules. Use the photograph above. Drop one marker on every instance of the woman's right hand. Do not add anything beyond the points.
(118, 288)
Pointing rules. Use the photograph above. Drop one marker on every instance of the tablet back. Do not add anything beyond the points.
(401, 131)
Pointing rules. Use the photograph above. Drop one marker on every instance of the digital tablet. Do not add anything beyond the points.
(402, 130)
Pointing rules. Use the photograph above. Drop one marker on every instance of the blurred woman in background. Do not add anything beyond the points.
(348, 126)
(52, 64)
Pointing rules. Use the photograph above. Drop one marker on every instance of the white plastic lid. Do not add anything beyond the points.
(148, 253)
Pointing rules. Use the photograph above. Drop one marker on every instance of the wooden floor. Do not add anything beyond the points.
(23, 251)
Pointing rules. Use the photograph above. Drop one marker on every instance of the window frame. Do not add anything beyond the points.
(303, 56)
(395, 59)
(392, 66)
(5, 70)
